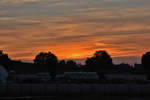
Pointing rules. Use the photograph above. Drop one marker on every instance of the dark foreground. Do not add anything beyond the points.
(77, 98)
(75, 92)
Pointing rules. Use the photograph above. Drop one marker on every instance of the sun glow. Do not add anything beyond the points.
(75, 55)
(74, 29)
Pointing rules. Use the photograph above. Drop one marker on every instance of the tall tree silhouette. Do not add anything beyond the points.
(100, 60)
(4, 60)
(48, 61)
(44, 58)
(146, 60)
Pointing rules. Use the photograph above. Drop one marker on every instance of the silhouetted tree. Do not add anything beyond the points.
(4, 60)
(49, 60)
(100, 60)
(146, 60)
(71, 64)
(62, 64)
(45, 58)
(146, 63)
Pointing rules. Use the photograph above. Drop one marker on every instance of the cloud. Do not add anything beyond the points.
(73, 29)
(23, 1)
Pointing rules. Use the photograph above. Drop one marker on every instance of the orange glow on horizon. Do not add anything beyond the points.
(73, 54)
(73, 29)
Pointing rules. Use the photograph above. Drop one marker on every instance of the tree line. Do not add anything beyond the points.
(99, 60)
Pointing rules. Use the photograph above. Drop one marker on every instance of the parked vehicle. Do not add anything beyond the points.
(43, 76)
(81, 76)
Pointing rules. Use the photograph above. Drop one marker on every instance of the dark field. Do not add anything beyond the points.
(76, 92)
(85, 97)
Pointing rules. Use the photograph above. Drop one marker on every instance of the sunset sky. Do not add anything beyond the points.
(75, 29)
